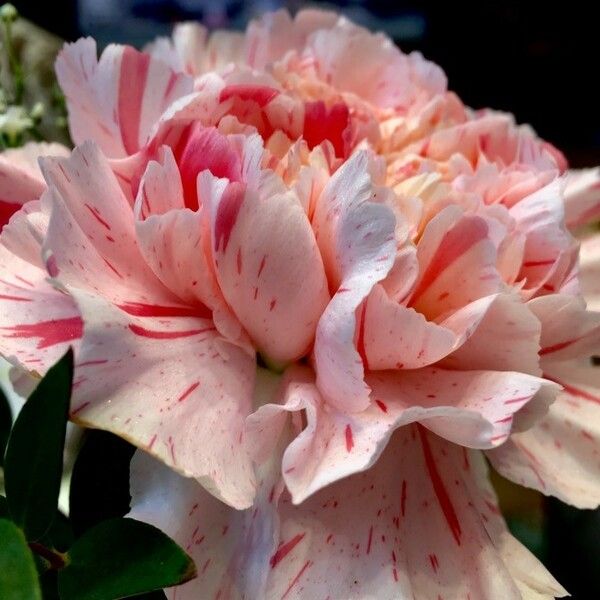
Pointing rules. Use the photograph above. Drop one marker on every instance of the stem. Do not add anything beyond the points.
(56, 559)
(16, 70)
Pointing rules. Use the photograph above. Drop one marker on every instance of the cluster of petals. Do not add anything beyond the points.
(315, 290)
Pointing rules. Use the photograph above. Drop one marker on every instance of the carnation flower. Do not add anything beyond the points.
(316, 290)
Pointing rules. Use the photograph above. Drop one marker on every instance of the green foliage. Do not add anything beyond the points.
(40, 553)
(34, 455)
(18, 577)
(120, 558)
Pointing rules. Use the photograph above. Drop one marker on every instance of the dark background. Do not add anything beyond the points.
(536, 60)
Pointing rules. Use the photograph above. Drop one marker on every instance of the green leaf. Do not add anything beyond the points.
(100, 480)
(120, 558)
(18, 576)
(60, 535)
(5, 424)
(34, 456)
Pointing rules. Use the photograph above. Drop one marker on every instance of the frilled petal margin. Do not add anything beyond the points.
(421, 523)
(472, 408)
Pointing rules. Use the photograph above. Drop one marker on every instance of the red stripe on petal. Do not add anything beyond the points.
(166, 335)
(50, 332)
(440, 489)
(285, 549)
(227, 214)
(455, 243)
(140, 309)
(261, 94)
(132, 85)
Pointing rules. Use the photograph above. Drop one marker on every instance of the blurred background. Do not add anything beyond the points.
(528, 58)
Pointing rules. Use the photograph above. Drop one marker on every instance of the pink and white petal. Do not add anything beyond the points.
(582, 197)
(160, 188)
(532, 579)
(568, 329)
(176, 246)
(471, 408)
(500, 333)
(270, 37)
(550, 251)
(116, 100)
(164, 383)
(453, 247)
(20, 177)
(589, 270)
(89, 212)
(357, 242)
(39, 322)
(560, 454)
(269, 267)
(354, 60)
(231, 548)
(406, 528)
(394, 336)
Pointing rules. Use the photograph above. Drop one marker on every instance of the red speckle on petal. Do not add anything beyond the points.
(188, 391)
(382, 405)
(285, 549)
(349, 438)
(370, 540)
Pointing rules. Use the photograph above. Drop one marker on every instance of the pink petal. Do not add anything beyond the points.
(175, 243)
(269, 267)
(405, 528)
(550, 251)
(398, 337)
(89, 213)
(582, 197)
(589, 274)
(231, 548)
(38, 321)
(421, 523)
(500, 332)
(558, 456)
(568, 329)
(356, 239)
(164, 383)
(116, 100)
(454, 247)
(20, 177)
(473, 408)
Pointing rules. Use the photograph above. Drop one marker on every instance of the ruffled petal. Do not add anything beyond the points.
(472, 408)
(582, 197)
(166, 383)
(20, 177)
(453, 247)
(91, 241)
(269, 267)
(558, 456)
(356, 237)
(589, 270)
(116, 100)
(38, 321)
(422, 523)
(231, 548)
